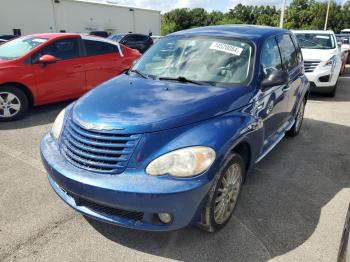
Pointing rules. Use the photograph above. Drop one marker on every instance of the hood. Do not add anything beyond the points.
(318, 54)
(136, 105)
(5, 62)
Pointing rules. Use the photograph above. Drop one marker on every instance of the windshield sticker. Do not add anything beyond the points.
(226, 48)
(322, 36)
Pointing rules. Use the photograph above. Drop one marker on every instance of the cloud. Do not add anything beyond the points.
(165, 5)
(209, 5)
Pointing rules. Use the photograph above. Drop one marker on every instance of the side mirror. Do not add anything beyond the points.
(275, 78)
(47, 59)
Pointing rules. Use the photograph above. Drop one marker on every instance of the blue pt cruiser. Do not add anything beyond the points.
(169, 143)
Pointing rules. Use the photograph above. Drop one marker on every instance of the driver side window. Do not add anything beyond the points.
(61, 49)
(270, 58)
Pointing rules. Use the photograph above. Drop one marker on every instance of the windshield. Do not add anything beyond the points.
(19, 47)
(316, 41)
(218, 61)
(116, 38)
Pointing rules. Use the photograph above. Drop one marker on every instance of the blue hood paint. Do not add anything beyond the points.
(136, 105)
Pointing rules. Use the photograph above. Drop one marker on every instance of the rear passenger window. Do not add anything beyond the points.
(270, 57)
(288, 51)
(141, 38)
(136, 38)
(130, 39)
(99, 48)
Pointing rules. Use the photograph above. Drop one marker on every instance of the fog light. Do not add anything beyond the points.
(165, 217)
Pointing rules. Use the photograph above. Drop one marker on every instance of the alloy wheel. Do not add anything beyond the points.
(10, 104)
(228, 192)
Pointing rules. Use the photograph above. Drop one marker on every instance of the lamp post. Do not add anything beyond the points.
(283, 7)
(326, 22)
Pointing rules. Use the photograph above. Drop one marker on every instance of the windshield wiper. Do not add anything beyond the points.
(181, 79)
(139, 73)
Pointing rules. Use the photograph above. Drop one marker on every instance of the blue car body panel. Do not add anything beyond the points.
(145, 105)
(166, 116)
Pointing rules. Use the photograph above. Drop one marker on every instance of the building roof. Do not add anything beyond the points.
(251, 32)
(112, 3)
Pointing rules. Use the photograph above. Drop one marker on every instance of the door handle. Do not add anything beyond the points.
(77, 66)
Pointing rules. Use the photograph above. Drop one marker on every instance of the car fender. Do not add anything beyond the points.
(221, 133)
(19, 76)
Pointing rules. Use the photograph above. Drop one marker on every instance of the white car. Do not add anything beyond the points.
(345, 31)
(322, 59)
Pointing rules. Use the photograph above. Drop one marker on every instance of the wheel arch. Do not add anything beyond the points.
(22, 87)
(244, 150)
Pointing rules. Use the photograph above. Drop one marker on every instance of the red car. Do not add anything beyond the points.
(44, 68)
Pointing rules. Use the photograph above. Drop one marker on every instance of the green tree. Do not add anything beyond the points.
(300, 14)
(199, 17)
(214, 17)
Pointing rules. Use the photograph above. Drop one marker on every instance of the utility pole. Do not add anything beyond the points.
(283, 7)
(326, 22)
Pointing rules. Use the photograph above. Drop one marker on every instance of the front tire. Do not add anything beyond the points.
(224, 195)
(13, 103)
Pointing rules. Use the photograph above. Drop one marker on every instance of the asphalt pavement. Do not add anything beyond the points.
(292, 207)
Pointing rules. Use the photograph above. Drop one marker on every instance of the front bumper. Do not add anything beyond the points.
(323, 80)
(133, 193)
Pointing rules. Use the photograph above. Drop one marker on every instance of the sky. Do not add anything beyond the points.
(209, 5)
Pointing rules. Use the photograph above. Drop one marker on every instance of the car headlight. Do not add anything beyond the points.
(57, 125)
(185, 162)
(330, 62)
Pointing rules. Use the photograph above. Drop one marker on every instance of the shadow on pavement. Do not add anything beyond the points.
(37, 116)
(278, 210)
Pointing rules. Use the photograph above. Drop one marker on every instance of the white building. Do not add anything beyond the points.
(80, 16)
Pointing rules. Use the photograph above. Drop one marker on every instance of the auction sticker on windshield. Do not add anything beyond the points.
(231, 49)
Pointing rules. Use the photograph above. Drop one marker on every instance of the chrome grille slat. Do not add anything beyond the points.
(98, 143)
(310, 65)
(88, 162)
(85, 153)
(100, 152)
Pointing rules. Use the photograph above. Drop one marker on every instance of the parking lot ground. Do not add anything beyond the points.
(292, 207)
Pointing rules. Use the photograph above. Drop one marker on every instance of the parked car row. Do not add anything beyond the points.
(168, 143)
